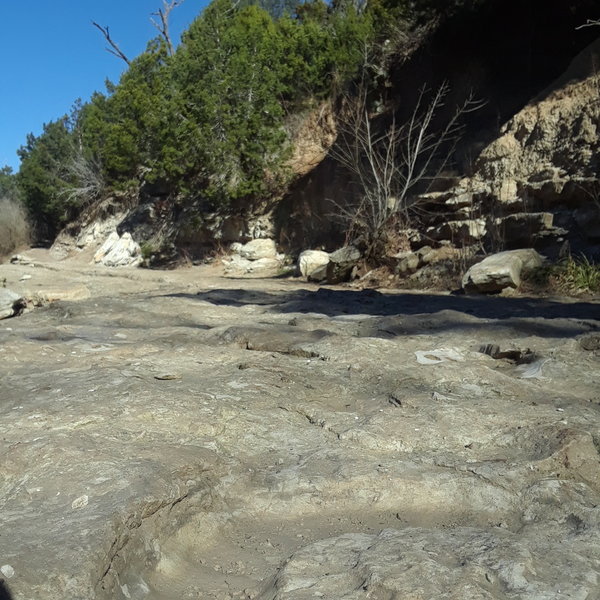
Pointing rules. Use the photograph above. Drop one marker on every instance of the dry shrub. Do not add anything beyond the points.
(14, 226)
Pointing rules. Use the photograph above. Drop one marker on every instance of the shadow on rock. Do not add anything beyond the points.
(552, 318)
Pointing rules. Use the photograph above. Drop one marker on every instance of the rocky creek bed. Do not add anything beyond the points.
(181, 435)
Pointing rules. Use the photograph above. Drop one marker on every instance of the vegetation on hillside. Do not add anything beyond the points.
(207, 121)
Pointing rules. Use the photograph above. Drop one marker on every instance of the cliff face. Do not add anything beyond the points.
(545, 164)
(525, 171)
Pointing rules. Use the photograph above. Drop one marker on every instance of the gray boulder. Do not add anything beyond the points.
(405, 262)
(235, 264)
(500, 271)
(11, 303)
(341, 263)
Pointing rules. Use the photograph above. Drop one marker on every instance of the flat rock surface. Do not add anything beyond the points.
(177, 434)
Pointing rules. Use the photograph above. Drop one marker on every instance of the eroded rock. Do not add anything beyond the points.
(502, 270)
(420, 563)
(313, 262)
(341, 263)
(11, 303)
(257, 249)
(181, 435)
(119, 251)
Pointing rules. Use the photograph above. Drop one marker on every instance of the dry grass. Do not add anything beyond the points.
(573, 276)
(15, 230)
(579, 274)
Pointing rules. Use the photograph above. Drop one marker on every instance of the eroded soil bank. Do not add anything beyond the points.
(181, 435)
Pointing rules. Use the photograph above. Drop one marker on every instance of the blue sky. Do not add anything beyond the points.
(52, 55)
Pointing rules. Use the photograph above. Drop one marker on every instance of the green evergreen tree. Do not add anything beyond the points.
(226, 70)
(207, 121)
(42, 178)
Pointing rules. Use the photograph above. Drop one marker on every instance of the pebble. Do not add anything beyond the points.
(7, 571)
(80, 502)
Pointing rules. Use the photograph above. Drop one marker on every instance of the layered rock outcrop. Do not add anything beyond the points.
(538, 184)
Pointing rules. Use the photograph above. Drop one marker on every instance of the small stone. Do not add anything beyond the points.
(7, 571)
(167, 376)
(590, 342)
(80, 502)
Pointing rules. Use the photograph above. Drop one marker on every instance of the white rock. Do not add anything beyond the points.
(236, 263)
(108, 245)
(310, 261)
(261, 248)
(80, 502)
(434, 357)
(265, 263)
(501, 270)
(119, 252)
(7, 571)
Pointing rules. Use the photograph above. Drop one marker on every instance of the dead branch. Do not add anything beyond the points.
(386, 164)
(86, 177)
(114, 47)
(589, 23)
(163, 26)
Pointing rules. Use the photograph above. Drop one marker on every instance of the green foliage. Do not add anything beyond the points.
(232, 119)
(127, 129)
(275, 8)
(571, 275)
(42, 179)
(147, 250)
(324, 49)
(207, 122)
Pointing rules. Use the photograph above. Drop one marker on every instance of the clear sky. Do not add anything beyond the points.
(52, 55)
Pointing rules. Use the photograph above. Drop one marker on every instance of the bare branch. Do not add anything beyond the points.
(87, 180)
(589, 23)
(386, 163)
(163, 26)
(114, 47)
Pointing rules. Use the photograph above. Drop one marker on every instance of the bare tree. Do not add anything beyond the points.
(163, 25)
(387, 163)
(87, 177)
(114, 47)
